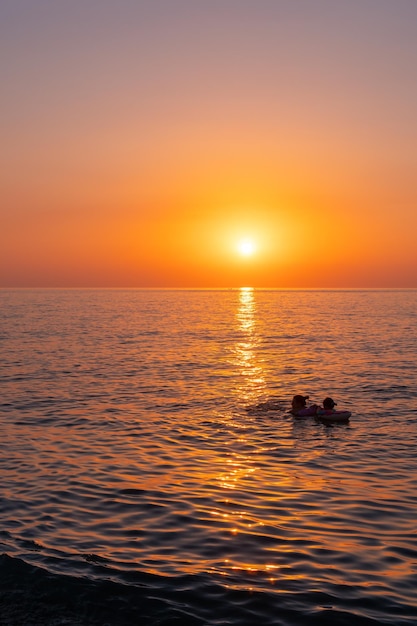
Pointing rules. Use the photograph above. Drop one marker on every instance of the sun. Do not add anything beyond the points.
(246, 247)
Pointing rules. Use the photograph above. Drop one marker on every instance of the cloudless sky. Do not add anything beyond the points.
(142, 140)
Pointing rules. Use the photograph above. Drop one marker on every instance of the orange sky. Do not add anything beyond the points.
(142, 140)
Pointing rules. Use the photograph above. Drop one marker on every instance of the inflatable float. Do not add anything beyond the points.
(332, 416)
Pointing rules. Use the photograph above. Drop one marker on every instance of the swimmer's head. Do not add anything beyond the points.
(329, 403)
(299, 401)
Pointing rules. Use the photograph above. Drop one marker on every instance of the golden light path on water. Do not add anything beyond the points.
(240, 468)
(253, 381)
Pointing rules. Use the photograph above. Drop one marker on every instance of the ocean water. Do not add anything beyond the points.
(139, 485)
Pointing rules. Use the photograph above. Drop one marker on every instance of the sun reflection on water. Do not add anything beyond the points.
(238, 468)
(246, 310)
(252, 381)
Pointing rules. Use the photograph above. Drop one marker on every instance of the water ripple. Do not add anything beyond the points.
(150, 467)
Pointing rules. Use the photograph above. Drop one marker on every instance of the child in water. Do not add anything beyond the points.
(329, 413)
(328, 406)
(299, 407)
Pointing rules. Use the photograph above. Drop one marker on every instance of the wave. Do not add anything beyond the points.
(31, 596)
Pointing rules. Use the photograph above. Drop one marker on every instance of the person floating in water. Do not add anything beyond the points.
(299, 407)
(328, 404)
(328, 411)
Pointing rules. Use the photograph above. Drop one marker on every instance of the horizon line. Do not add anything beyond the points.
(239, 288)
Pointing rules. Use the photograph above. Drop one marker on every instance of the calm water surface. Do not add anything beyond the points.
(137, 488)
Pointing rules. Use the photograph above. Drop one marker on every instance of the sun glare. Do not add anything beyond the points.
(246, 247)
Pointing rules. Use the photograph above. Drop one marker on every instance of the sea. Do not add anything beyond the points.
(151, 472)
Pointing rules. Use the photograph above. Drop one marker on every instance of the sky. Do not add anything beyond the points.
(208, 143)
